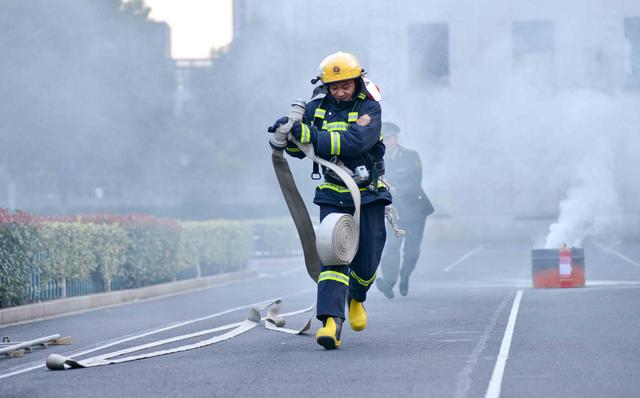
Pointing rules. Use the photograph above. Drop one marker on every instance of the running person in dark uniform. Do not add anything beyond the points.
(404, 175)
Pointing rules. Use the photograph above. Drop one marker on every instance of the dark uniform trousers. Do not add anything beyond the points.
(360, 274)
(406, 249)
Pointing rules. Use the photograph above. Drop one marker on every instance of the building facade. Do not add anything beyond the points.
(468, 81)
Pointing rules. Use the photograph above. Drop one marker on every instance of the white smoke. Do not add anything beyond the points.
(590, 208)
(592, 124)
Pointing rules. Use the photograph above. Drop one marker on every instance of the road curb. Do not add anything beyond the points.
(52, 308)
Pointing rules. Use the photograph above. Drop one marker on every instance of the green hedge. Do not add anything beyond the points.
(214, 246)
(136, 250)
(152, 248)
(68, 251)
(18, 241)
(109, 245)
(74, 250)
(275, 237)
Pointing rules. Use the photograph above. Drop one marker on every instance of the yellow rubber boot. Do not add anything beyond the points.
(357, 315)
(328, 336)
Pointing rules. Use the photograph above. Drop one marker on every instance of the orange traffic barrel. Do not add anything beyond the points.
(562, 267)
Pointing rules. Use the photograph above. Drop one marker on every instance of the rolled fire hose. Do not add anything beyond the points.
(338, 234)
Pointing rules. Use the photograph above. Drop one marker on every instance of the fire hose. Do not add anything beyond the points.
(337, 240)
(336, 243)
(273, 320)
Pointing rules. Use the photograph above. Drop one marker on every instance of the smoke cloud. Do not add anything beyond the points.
(590, 208)
(527, 129)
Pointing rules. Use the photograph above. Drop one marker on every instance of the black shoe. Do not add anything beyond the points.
(404, 286)
(385, 287)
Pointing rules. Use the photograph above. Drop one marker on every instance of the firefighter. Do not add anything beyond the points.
(344, 126)
(404, 176)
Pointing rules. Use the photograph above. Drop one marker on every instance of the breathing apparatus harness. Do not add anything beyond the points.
(361, 175)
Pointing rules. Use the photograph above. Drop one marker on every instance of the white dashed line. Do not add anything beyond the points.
(462, 259)
(619, 255)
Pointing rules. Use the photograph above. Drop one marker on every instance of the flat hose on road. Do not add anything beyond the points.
(273, 321)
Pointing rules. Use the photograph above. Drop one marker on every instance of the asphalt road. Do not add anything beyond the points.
(460, 333)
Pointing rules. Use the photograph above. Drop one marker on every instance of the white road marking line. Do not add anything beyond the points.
(618, 254)
(124, 340)
(155, 331)
(462, 259)
(292, 271)
(612, 283)
(463, 381)
(283, 273)
(495, 385)
(136, 301)
(456, 332)
(454, 340)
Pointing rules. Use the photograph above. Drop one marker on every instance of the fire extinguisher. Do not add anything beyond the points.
(564, 265)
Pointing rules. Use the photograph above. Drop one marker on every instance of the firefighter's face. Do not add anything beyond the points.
(342, 91)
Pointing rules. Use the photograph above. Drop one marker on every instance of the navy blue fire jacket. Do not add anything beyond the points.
(339, 136)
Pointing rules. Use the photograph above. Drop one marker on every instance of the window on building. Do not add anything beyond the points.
(533, 50)
(429, 53)
(532, 40)
(632, 34)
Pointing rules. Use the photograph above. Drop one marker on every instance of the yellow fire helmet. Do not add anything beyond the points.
(340, 66)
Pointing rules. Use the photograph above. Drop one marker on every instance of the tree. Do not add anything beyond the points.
(91, 88)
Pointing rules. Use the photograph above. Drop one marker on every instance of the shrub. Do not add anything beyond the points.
(141, 249)
(69, 251)
(109, 246)
(275, 237)
(151, 255)
(18, 240)
(215, 246)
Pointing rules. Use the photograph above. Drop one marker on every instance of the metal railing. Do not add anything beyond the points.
(38, 290)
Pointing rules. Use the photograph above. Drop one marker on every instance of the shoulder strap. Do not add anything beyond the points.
(318, 115)
(318, 118)
(353, 115)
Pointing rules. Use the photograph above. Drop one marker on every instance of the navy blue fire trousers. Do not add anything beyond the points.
(338, 281)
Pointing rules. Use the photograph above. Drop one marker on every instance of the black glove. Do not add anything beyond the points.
(278, 123)
(303, 133)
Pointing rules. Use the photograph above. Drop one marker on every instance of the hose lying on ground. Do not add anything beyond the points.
(272, 321)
